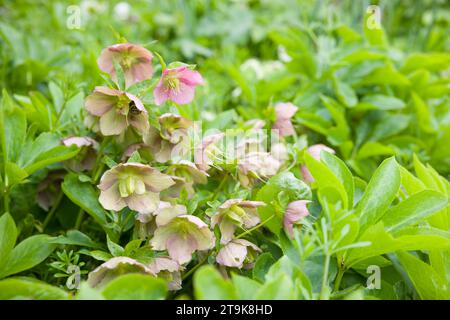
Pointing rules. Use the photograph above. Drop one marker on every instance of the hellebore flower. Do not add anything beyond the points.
(85, 159)
(178, 85)
(117, 110)
(314, 151)
(49, 188)
(115, 267)
(204, 154)
(173, 127)
(187, 174)
(181, 236)
(135, 60)
(235, 213)
(235, 252)
(168, 269)
(257, 165)
(284, 112)
(295, 211)
(134, 185)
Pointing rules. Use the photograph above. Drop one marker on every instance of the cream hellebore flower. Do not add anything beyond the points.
(178, 85)
(295, 211)
(135, 60)
(85, 159)
(235, 252)
(134, 185)
(172, 140)
(203, 156)
(284, 113)
(181, 236)
(235, 213)
(168, 269)
(314, 151)
(257, 165)
(115, 267)
(117, 110)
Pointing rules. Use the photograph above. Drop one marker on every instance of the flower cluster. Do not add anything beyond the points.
(163, 160)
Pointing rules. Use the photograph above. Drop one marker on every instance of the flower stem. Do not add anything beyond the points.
(219, 188)
(52, 210)
(187, 274)
(337, 282)
(324, 294)
(255, 227)
(79, 219)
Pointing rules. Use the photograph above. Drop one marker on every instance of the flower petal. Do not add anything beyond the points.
(143, 203)
(110, 198)
(112, 123)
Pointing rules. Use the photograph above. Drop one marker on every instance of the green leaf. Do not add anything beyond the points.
(371, 149)
(84, 195)
(209, 285)
(27, 254)
(246, 288)
(54, 155)
(345, 93)
(425, 118)
(427, 282)
(114, 248)
(28, 288)
(380, 192)
(342, 172)
(57, 95)
(262, 266)
(136, 287)
(414, 209)
(286, 182)
(77, 238)
(280, 288)
(326, 179)
(13, 127)
(381, 102)
(14, 173)
(8, 236)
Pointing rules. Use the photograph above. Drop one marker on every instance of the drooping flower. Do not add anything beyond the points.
(181, 236)
(314, 151)
(135, 60)
(172, 141)
(168, 269)
(173, 127)
(295, 211)
(236, 252)
(134, 185)
(178, 85)
(115, 267)
(85, 159)
(205, 153)
(49, 188)
(117, 110)
(235, 213)
(284, 113)
(256, 166)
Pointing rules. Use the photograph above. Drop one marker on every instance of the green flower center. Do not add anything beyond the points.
(171, 82)
(130, 185)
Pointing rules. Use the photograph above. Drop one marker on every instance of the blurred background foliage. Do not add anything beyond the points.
(366, 92)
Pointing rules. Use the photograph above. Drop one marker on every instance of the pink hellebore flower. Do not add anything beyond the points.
(181, 235)
(168, 269)
(235, 213)
(235, 252)
(204, 154)
(284, 112)
(178, 85)
(134, 185)
(135, 60)
(115, 267)
(117, 110)
(295, 211)
(314, 151)
(85, 159)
